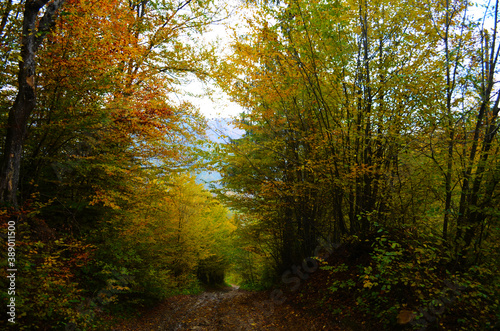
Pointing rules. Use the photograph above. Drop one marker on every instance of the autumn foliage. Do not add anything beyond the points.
(368, 125)
(362, 115)
(108, 216)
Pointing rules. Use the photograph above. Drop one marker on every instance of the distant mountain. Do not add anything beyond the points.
(208, 178)
(220, 130)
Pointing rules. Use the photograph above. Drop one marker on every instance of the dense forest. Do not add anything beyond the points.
(368, 170)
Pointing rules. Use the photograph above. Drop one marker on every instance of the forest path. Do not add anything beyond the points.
(227, 309)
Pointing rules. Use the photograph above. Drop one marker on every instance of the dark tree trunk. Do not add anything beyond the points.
(32, 36)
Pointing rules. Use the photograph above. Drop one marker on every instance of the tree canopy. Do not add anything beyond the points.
(368, 123)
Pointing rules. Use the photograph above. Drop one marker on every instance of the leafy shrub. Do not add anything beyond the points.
(413, 273)
(48, 293)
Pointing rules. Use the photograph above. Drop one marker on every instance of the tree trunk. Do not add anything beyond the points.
(26, 97)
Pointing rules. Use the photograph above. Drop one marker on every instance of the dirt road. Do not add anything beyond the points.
(228, 309)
